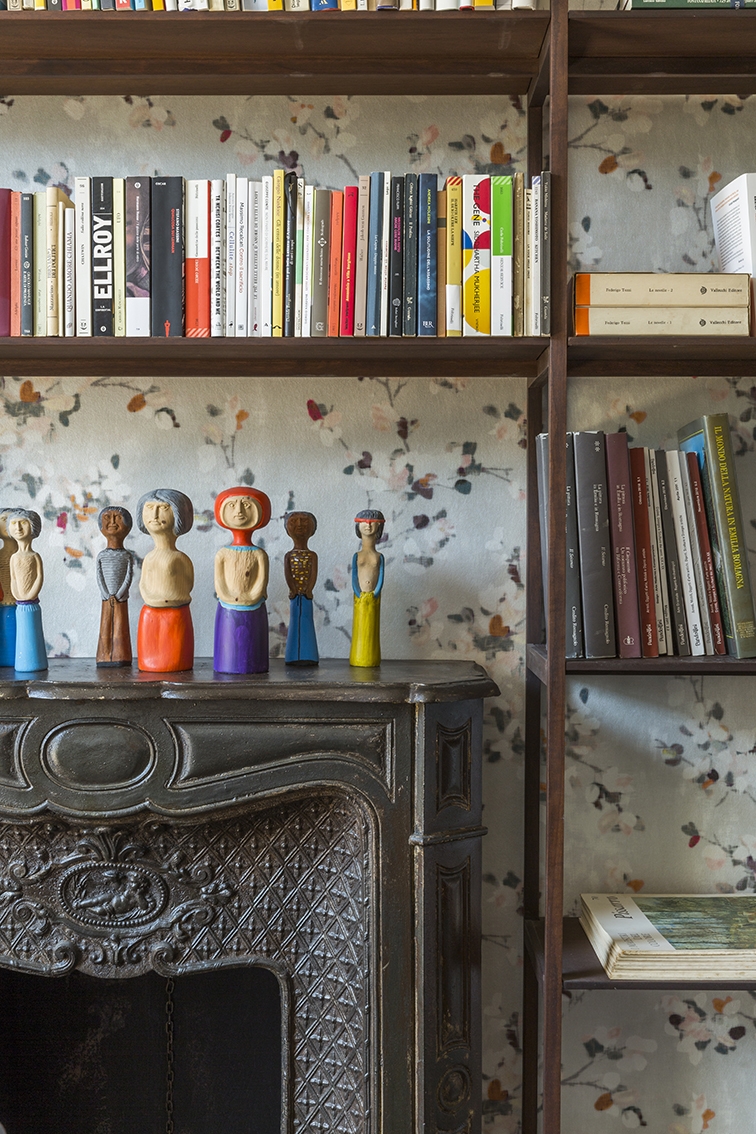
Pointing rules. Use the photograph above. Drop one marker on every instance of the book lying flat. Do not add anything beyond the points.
(661, 321)
(670, 936)
(667, 289)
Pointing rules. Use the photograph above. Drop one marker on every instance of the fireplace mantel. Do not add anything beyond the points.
(322, 823)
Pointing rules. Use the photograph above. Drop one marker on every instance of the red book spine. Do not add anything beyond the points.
(334, 272)
(349, 259)
(624, 571)
(121, 5)
(643, 559)
(707, 558)
(5, 261)
(15, 265)
(197, 214)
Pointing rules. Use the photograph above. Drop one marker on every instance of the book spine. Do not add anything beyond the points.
(198, 258)
(707, 559)
(695, 553)
(542, 477)
(518, 258)
(501, 255)
(324, 5)
(320, 251)
(69, 284)
(661, 289)
(40, 262)
(307, 266)
(119, 256)
(254, 213)
(138, 267)
(52, 267)
(546, 252)
(527, 263)
(535, 255)
(385, 253)
(573, 599)
(409, 244)
(10, 256)
(266, 258)
(684, 555)
(242, 235)
(427, 275)
(362, 255)
(167, 257)
(624, 570)
(299, 252)
(60, 283)
(348, 258)
(230, 254)
(396, 255)
(594, 543)
(290, 254)
(334, 265)
(217, 257)
(375, 231)
(277, 263)
(674, 578)
(643, 555)
(441, 243)
(476, 255)
(453, 257)
(662, 321)
(27, 264)
(659, 559)
(102, 256)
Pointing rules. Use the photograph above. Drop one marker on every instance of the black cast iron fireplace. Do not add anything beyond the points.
(310, 840)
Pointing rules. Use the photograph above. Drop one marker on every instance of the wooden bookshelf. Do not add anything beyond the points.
(271, 53)
(537, 662)
(645, 356)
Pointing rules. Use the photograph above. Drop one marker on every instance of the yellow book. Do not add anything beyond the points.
(86, 5)
(41, 5)
(476, 257)
(119, 256)
(453, 256)
(348, 5)
(158, 5)
(52, 266)
(279, 221)
(275, 6)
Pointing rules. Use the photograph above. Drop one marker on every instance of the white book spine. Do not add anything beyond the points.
(69, 274)
(242, 204)
(362, 6)
(655, 569)
(231, 254)
(266, 259)
(217, 248)
(119, 257)
(535, 245)
(426, 5)
(682, 539)
(82, 192)
(501, 286)
(296, 5)
(299, 263)
(307, 263)
(503, 5)
(255, 220)
(385, 259)
(695, 552)
(447, 5)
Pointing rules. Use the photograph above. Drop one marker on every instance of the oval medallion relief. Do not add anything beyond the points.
(112, 895)
(97, 755)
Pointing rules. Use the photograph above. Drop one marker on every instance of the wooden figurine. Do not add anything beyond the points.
(165, 635)
(26, 578)
(7, 601)
(367, 584)
(241, 584)
(115, 571)
(301, 572)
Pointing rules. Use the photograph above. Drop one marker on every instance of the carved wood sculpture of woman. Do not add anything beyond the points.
(115, 571)
(301, 572)
(165, 636)
(26, 578)
(7, 601)
(367, 584)
(241, 584)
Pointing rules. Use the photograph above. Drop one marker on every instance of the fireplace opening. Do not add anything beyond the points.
(93, 1056)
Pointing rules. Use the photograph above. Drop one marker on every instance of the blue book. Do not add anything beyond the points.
(375, 238)
(324, 5)
(426, 254)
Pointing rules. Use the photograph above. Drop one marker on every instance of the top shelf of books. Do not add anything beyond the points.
(663, 52)
(270, 53)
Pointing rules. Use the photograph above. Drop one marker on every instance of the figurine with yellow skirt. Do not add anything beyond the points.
(367, 584)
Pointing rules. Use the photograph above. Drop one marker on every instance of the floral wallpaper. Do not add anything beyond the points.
(661, 789)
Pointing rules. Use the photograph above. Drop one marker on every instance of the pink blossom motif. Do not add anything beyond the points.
(428, 136)
(62, 521)
(314, 410)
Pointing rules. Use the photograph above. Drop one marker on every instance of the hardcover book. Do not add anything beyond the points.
(643, 555)
(595, 545)
(624, 569)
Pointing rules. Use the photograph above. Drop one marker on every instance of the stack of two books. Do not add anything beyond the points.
(654, 303)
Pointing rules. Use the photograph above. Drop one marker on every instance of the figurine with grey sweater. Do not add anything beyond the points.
(115, 571)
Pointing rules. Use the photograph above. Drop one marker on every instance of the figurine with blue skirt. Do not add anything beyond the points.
(7, 601)
(26, 579)
(301, 573)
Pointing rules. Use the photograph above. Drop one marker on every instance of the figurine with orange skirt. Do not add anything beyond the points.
(165, 636)
(241, 584)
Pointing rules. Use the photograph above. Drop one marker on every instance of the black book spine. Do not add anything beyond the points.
(290, 253)
(410, 254)
(594, 544)
(574, 602)
(674, 580)
(27, 263)
(167, 253)
(396, 266)
(102, 256)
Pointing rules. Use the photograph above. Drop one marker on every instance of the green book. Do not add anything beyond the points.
(501, 255)
(709, 438)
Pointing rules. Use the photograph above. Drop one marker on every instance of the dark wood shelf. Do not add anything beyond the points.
(665, 52)
(537, 657)
(644, 356)
(207, 358)
(270, 53)
(581, 967)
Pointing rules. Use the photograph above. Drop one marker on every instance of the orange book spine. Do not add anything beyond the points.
(15, 264)
(582, 289)
(334, 273)
(197, 268)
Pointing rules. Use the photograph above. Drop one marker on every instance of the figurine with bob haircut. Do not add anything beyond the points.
(165, 636)
(115, 571)
(241, 584)
(26, 578)
(367, 584)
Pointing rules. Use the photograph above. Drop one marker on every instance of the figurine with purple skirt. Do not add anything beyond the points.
(241, 584)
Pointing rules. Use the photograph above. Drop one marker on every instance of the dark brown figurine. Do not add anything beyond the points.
(115, 571)
(301, 573)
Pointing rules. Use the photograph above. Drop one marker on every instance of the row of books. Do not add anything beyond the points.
(656, 550)
(263, 5)
(659, 303)
(165, 257)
